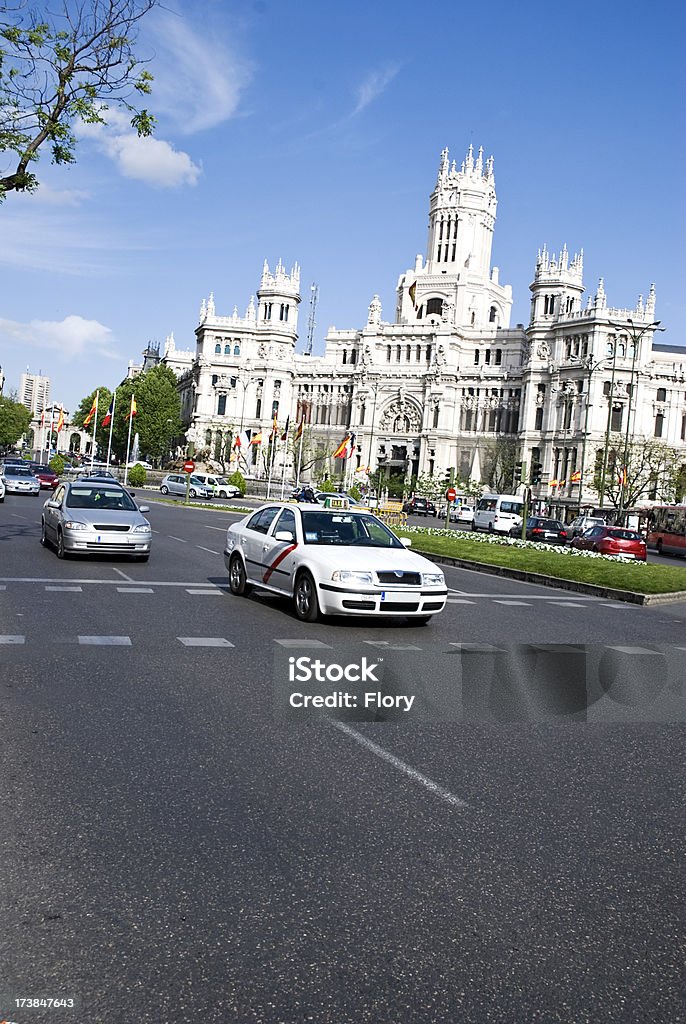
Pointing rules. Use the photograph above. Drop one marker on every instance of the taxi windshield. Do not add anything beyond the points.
(100, 498)
(344, 528)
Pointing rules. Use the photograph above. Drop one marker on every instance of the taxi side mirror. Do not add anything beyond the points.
(406, 542)
(143, 508)
(284, 535)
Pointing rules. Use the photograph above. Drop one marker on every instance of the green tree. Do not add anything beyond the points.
(238, 480)
(57, 464)
(158, 413)
(498, 463)
(137, 476)
(14, 421)
(652, 471)
(64, 67)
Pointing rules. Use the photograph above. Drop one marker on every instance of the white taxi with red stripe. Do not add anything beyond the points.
(333, 561)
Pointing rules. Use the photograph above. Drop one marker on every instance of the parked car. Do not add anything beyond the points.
(46, 477)
(20, 480)
(321, 497)
(613, 540)
(88, 516)
(220, 485)
(463, 514)
(139, 462)
(332, 561)
(175, 483)
(583, 523)
(550, 531)
(2, 489)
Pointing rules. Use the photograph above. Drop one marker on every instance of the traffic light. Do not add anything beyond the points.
(449, 478)
(518, 473)
(536, 473)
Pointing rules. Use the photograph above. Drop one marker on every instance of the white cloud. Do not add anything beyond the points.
(198, 79)
(373, 85)
(72, 337)
(147, 159)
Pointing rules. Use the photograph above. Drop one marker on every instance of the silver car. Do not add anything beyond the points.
(88, 516)
(20, 480)
(175, 483)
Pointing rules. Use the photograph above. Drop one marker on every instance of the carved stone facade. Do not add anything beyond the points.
(431, 389)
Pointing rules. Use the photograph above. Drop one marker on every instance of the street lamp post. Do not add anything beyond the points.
(635, 335)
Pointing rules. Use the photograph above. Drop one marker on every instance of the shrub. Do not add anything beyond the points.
(238, 480)
(57, 464)
(327, 486)
(137, 476)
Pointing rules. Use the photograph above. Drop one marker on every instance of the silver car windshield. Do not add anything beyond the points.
(103, 498)
(338, 528)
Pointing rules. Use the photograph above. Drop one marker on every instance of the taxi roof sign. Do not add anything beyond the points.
(336, 502)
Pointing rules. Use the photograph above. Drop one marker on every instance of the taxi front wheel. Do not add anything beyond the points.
(305, 598)
(237, 579)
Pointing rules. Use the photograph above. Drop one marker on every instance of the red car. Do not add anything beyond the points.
(613, 540)
(48, 477)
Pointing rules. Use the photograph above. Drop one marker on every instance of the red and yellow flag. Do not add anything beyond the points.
(133, 411)
(576, 476)
(342, 450)
(60, 419)
(299, 431)
(91, 414)
(256, 438)
(412, 292)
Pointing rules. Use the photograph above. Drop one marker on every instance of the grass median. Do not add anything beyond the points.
(564, 564)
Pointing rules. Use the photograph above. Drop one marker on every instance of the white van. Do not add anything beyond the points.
(219, 484)
(498, 513)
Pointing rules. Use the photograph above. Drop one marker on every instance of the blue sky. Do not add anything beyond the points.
(311, 132)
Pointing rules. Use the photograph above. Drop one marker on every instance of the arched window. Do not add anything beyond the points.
(498, 356)
(434, 306)
(267, 311)
(345, 355)
(662, 394)
(221, 405)
(610, 347)
(217, 349)
(436, 414)
(492, 313)
(236, 350)
(388, 353)
(622, 349)
(208, 438)
(353, 356)
(476, 357)
(472, 319)
(659, 423)
(227, 350)
(215, 378)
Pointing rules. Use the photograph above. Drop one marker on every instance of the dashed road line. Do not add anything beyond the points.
(210, 550)
(222, 529)
(459, 600)
(70, 590)
(105, 641)
(568, 604)
(134, 590)
(303, 643)
(521, 604)
(12, 639)
(205, 592)
(204, 641)
(181, 540)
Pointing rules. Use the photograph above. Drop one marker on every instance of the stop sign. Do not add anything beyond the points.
(450, 494)
(188, 466)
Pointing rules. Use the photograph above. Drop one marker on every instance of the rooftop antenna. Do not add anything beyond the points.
(311, 320)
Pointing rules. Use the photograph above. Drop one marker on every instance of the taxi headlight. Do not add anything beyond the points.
(71, 524)
(433, 579)
(143, 528)
(350, 576)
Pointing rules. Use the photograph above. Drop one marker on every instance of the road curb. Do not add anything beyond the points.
(551, 581)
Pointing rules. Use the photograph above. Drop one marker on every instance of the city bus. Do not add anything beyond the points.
(667, 529)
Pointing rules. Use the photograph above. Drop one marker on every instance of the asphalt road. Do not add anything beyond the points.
(170, 854)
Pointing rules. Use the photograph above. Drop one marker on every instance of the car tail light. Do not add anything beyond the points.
(563, 533)
(537, 529)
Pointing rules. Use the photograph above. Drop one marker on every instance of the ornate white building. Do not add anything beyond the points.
(449, 378)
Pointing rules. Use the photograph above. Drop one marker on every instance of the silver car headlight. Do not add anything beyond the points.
(433, 579)
(143, 528)
(350, 576)
(71, 524)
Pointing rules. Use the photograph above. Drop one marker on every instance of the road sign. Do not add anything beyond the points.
(450, 494)
(188, 466)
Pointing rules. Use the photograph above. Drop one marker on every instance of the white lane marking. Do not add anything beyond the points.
(406, 769)
(72, 590)
(17, 516)
(625, 604)
(180, 539)
(523, 604)
(215, 590)
(392, 647)
(210, 550)
(303, 643)
(204, 641)
(459, 600)
(529, 597)
(129, 579)
(109, 583)
(105, 641)
(568, 604)
(3, 587)
(12, 639)
(631, 650)
(222, 529)
(135, 590)
(489, 648)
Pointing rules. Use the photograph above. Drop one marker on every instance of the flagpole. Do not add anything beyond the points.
(283, 472)
(300, 454)
(109, 442)
(95, 427)
(272, 455)
(49, 444)
(128, 443)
